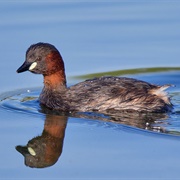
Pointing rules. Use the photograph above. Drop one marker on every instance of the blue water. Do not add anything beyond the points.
(92, 37)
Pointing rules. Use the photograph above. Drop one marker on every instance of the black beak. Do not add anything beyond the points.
(24, 67)
(22, 149)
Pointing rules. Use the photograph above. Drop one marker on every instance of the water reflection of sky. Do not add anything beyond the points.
(92, 37)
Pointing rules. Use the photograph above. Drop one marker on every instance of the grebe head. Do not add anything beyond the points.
(42, 58)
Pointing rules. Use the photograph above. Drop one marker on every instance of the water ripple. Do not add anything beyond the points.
(26, 101)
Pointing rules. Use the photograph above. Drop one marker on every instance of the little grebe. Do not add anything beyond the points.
(98, 94)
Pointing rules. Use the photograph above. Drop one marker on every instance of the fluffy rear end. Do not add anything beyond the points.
(159, 91)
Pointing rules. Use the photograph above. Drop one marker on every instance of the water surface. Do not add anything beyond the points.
(93, 37)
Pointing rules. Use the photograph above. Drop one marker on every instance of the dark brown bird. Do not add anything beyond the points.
(98, 94)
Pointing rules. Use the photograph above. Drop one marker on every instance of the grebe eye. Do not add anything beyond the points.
(38, 58)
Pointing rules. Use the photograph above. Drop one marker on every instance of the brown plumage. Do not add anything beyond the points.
(98, 94)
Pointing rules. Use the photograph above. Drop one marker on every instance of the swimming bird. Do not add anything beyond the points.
(99, 94)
